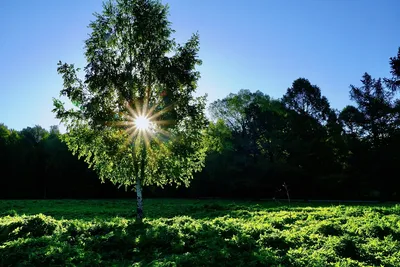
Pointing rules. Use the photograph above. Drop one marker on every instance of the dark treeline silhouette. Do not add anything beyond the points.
(258, 145)
(36, 164)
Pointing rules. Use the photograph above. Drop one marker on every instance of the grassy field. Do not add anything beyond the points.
(196, 233)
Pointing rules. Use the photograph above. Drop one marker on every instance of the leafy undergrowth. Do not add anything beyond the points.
(196, 233)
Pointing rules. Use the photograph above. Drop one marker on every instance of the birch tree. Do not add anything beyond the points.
(136, 120)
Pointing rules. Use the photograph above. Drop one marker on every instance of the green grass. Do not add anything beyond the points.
(196, 233)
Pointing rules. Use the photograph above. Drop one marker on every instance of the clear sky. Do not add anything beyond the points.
(255, 44)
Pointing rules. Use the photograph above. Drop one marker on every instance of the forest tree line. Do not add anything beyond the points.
(260, 147)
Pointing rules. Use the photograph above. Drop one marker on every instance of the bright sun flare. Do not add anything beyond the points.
(142, 123)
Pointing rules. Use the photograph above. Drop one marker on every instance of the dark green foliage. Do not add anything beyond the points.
(295, 141)
(31, 227)
(328, 229)
(256, 145)
(372, 131)
(198, 233)
(300, 142)
(36, 164)
(9, 213)
(306, 100)
(347, 247)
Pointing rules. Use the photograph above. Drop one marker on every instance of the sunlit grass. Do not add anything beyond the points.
(197, 233)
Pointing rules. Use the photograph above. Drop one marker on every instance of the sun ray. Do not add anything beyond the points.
(157, 140)
(130, 129)
(130, 137)
(164, 122)
(130, 118)
(143, 124)
(164, 133)
(146, 140)
(131, 111)
(120, 123)
(151, 111)
(144, 106)
(136, 141)
(161, 112)
(138, 107)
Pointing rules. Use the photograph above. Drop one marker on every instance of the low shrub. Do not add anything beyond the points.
(219, 234)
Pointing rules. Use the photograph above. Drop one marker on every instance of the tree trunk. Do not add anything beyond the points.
(139, 199)
(139, 179)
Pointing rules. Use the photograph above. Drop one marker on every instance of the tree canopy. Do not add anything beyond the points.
(135, 69)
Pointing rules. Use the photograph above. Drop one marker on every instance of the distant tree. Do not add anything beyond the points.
(4, 158)
(232, 109)
(54, 130)
(32, 142)
(336, 139)
(136, 75)
(4, 136)
(306, 99)
(352, 120)
(255, 147)
(219, 136)
(34, 134)
(372, 128)
(376, 116)
(394, 82)
(311, 121)
(267, 125)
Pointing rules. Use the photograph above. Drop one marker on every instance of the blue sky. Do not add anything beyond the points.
(257, 44)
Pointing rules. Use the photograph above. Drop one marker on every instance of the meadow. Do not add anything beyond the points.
(197, 233)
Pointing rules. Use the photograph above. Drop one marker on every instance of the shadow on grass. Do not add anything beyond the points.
(163, 208)
(106, 209)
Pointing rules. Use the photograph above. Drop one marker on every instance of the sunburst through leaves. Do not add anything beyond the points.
(143, 124)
